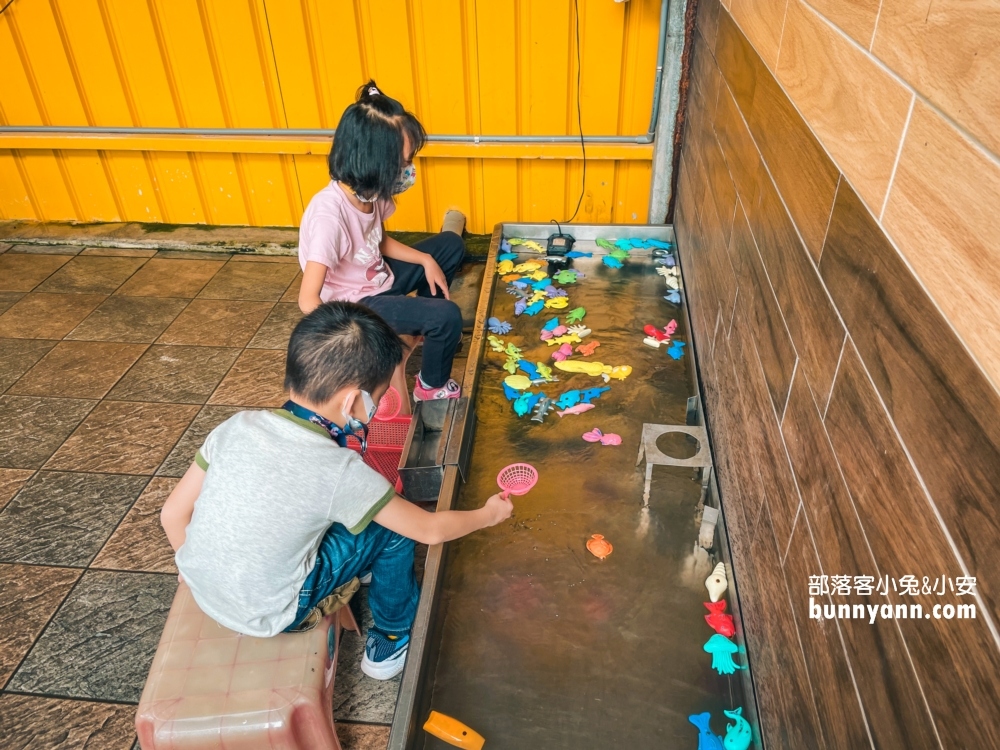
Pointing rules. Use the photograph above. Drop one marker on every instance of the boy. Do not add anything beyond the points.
(275, 514)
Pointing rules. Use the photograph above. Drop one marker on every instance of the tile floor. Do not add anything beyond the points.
(114, 365)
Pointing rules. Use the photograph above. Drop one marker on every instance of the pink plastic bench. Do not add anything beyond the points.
(210, 687)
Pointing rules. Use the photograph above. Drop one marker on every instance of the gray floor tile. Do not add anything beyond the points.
(64, 518)
(32, 427)
(102, 640)
(356, 696)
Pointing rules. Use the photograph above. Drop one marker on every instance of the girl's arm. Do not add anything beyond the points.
(312, 283)
(396, 250)
(408, 520)
(179, 507)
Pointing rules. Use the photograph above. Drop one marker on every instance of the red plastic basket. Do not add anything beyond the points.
(385, 445)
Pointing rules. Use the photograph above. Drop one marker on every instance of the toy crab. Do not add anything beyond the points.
(588, 349)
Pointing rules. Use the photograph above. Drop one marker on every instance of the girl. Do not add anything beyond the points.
(345, 253)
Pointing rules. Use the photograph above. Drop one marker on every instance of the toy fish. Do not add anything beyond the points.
(496, 344)
(588, 349)
(504, 267)
(670, 327)
(673, 297)
(659, 244)
(527, 267)
(519, 306)
(498, 326)
(568, 399)
(619, 254)
(534, 308)
(562, 353)
(557, 303)
(706, 740)
(510, 393)
(569, 338)
(551, 324)
(536, 297)
(578, 254)
(528, 368)
(606, 244)
(505, 246)
(719, 622)
(540, 286)
(676, 350)
(510, 365)
(738, 735)
(578, 409)
(623, 244)
(542, 409)
(538, 275)
(517, 382)
(611, 262)
(637, 243)
(565, 276)
(618, 372)
(596, 436)
(581, 331)
(515, 241)
(722, 650)
(513, 351)
(588, 368)
(576, 315)
(521, 404)
(506, 256)
(591, 393)
(544, 371)
(532, 245)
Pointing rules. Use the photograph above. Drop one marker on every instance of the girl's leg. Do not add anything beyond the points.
(446, 248)
(439, 321)
(342, 556)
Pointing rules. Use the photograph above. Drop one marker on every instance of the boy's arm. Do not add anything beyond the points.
(312, 282)
(396, 250)
(406, 519)
(179, 507)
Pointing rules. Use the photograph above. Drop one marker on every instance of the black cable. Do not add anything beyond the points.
(579, 116)
(9, 3)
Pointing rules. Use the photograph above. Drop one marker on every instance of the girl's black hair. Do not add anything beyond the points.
(367, 153)
(340, 344)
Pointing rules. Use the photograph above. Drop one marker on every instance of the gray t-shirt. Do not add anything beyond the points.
(274, 485)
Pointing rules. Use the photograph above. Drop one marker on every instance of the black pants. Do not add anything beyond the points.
(438, 320)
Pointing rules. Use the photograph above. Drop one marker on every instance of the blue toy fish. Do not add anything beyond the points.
(611, 262)
(554, 323)
(510, 393)
(659, 243)
(673, 297)
(624, 244)
(637, 243)
(539, 286)
(505, 247)
(535, 308)
(591, 393)
(676, 350)
(738, 735)
(568, 399)
(506, 256)
(498, 326)
(722, 650)
(706, 740)
(529, 369)
(521, 404)
(535, 398)
(578, 254)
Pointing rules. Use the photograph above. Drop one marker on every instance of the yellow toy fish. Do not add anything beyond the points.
(510, 365)
(619, 372)
(504, 267)
(532, 245)
(536, 297)
(527, 267)
(569, 338)
(543, 370)
(518, 382)
(557, 303)
(538, 275)
(496, 344)
(588, 368)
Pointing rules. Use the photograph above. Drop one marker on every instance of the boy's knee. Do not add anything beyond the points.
(452, 247)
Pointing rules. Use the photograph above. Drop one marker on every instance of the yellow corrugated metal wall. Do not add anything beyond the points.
(465, 67)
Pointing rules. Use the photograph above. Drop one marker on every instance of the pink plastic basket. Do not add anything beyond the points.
(388, 406)
(385, 445)
(517, 479)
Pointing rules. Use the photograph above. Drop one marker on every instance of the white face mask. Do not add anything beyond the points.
(406, 179)
(370, 407)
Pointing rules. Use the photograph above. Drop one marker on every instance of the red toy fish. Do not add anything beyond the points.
(720, 623)
(656, 333)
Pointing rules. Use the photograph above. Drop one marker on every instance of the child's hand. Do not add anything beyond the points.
(499, 509)
(435, 277)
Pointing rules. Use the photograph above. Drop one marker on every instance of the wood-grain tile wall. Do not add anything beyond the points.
(836, 218)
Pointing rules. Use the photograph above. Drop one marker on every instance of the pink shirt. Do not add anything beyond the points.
(345, 240)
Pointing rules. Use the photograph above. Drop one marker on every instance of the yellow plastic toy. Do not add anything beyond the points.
(510, 365)
(620, 372)
(569, 338)
(588, 368)
(505, 267)
(536, 297)
(557, 303)
(543, 370)
(496, 344)
(538, 275)
(532, 245)
(518, 382)
(527, 267)
(453, 731)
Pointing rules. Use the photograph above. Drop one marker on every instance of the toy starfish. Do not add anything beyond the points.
(576, 315)
(611, 262)
(557, 303)
(496, 344)
(498, 326)
(588, 349)
(580, 330)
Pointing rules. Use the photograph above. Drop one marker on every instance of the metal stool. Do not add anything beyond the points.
(654, 456)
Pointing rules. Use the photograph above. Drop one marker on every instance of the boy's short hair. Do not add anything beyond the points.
(367, 153)
(340, 344)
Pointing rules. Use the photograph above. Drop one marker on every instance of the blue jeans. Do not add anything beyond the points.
(393, 593)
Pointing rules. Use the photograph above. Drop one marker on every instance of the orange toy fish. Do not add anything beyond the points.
(720, 623)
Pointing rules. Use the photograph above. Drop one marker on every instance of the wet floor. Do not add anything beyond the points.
(543, 644)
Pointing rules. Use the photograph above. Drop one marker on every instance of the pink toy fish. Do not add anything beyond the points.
(578, 409)
(562, 353)
(671, 327)
(596, 436)
(720, 623)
